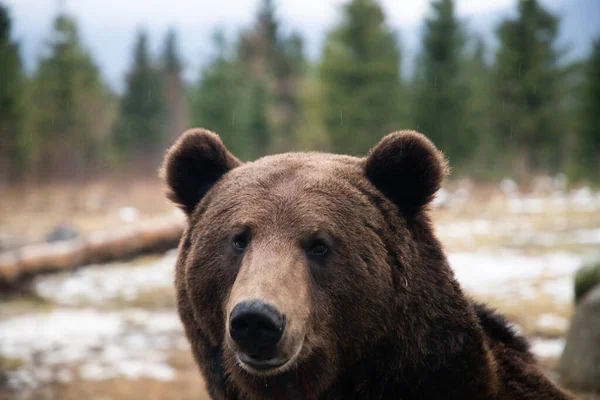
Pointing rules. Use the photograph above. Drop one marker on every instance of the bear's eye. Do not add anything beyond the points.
(318, 248)
(240, 242)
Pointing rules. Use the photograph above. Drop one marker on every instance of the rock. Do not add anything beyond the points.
(579, 365)
(63, 231)
(586, 278)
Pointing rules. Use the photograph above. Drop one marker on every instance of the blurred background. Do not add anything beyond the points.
(93, 92)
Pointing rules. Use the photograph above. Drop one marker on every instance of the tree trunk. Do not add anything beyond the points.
(97, 247)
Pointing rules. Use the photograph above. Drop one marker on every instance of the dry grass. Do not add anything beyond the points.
(97, 205)
(187, 385)
(29, 213)
(159, 298)
(526, 312)
(18, 303)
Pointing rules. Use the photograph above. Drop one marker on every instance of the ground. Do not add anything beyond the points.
(111, 332)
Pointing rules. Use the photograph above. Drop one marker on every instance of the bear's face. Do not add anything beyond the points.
(285, 264)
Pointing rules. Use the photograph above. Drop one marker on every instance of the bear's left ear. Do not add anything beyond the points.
(407, 168)
(193, 165)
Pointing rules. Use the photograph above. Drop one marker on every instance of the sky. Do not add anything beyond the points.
(108, 27)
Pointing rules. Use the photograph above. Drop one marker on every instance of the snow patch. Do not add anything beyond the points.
(128, 214)
(581, 200)
(99, 284)
(507, 273)
(551, 321)
(130, 343)
(547, 348)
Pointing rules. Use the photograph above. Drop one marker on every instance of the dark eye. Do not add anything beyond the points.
(318, 248)
(240, 242)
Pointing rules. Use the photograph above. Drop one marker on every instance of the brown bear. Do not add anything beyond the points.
(318, 276)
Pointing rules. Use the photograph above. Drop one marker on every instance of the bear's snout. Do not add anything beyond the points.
(256, 327)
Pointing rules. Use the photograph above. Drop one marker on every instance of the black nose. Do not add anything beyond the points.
(256, 327)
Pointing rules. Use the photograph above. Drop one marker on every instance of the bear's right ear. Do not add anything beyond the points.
(407, 168)
(196, 161)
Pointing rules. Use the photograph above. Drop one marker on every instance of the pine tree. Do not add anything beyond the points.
(175, 99)
(441, 96)
(361, 81)
(277, 61)
(312, 134)
(12, 107)
(484, 163)
(268, 29)
(70, 107)
(216, 99)
(588, 153)
(288, 69)
(527, 83)
(141, 128)
(255, 123)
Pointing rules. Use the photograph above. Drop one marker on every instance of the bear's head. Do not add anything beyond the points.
(296, 265)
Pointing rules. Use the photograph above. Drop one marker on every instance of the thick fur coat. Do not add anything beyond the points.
(343, 247)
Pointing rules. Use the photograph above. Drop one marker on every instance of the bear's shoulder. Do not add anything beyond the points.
(498, 329)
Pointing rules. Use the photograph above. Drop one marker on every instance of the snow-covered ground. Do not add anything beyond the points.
(91, 343)
(99, 284)
(502, 271)
(583, 199)
(80, 339)
(507, 273)
(95, 329)
(519, 233)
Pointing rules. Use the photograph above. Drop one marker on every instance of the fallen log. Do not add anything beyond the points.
(96, 247)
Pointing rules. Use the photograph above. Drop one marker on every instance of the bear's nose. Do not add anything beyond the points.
(256, 327)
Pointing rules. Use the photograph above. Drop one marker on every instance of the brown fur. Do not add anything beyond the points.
(379, 316)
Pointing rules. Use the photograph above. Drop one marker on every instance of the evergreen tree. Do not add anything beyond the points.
(288, 69)
(255, 123)
(361, 81)
(268, 29)
(588, 154)
(478, 73)
(141, 128)
(441, 92)
(216, 99)
(312, 134)
(12, 109)
(70, 107)
(527, 83)
(175, 100)
(277, 61)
